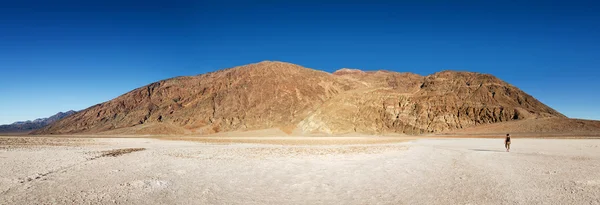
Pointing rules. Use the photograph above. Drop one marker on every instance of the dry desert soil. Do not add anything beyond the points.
(298, 170)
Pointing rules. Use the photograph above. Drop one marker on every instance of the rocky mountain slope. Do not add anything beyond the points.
(302, 100)
(26, 126)
(543, 126)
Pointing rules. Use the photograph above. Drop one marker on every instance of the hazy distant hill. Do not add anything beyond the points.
(302, 100)
(26, 126)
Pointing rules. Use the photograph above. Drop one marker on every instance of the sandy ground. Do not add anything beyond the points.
(425, 171)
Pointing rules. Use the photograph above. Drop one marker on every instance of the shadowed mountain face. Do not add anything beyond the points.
(301, 100)
(29, 125)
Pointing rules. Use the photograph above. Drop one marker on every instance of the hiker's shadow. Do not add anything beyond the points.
(485, 150)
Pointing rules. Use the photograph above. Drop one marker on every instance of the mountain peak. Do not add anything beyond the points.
(345, 71)
(270, 63)
(267, 66)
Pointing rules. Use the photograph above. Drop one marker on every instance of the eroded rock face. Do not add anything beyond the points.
(432, 104)
(293, 98)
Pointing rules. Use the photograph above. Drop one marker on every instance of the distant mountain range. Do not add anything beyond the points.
(30, 125)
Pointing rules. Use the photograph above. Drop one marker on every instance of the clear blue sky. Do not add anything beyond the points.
(62, 55)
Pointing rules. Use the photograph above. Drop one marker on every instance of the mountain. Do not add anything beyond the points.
(544, 126)
(302, 100)
(26, 126)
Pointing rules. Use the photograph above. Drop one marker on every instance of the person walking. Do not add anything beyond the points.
(507, 143)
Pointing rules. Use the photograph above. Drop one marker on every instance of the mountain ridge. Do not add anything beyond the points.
(30, 125)
(273, 94)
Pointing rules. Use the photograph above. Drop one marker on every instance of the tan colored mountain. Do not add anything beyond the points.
(302, 100)
(536, 127)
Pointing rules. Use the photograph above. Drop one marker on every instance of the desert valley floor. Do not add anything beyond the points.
(345, 170)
